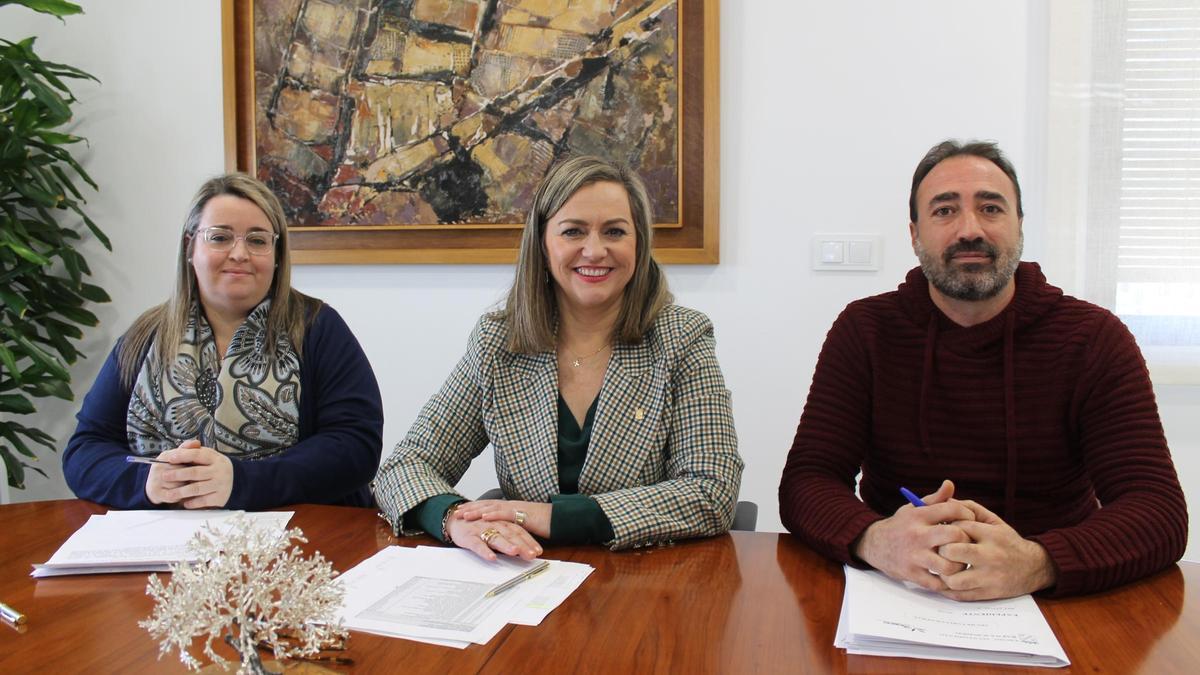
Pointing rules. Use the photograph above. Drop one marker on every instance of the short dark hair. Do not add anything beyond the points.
(950, 148)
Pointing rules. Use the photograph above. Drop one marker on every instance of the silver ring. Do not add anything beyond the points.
(519, 516)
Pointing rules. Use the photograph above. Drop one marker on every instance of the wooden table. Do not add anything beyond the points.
(741, 603)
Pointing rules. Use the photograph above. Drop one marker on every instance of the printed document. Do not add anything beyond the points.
(142, 541)
(883, 617)
(439, 595)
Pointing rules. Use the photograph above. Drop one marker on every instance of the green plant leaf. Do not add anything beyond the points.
(39, 356)
(31, 374)
(17, 443)
(36, 194)
(52, 387)
(46, 179)
(42, 288)
(14, 302)
(52, 71)
(94, 293)
(56, 138)
(79, 316)
(22, 250)
(55, 103)
(16, 403)
(82, 173)
(39, 67)
(63, 70)
(68, 329)
(14, 467)
(57, 152)
(24, 118)
(70, 260)
(59, 8)
(68, 353)
(65, 181)
(36, 435)
(10, 363)
(96, 232)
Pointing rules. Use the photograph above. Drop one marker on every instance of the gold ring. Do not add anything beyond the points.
(519, 516)
(488, 534)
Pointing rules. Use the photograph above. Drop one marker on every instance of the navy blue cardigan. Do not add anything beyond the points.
(341, 435)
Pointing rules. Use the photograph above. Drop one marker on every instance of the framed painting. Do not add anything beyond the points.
(416, 131)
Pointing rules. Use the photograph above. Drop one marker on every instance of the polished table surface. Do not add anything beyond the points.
(740, 603)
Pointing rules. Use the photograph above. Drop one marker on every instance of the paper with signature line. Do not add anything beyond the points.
(883, 617)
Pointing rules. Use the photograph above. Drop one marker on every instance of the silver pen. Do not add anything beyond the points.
(527, 574)
(11, 615)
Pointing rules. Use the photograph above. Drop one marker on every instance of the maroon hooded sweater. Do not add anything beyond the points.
(1044, 414)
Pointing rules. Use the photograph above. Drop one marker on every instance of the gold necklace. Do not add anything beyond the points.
(578, 360)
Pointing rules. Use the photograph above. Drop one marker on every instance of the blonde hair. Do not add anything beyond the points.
(531, 310)
(291, 311)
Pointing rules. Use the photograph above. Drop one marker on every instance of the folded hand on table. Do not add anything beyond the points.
(485, 538)
(998, 562)
(905, 545)
(533, 516)
(195, 478)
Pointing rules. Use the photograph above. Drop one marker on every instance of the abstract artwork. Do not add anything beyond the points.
(418, 130)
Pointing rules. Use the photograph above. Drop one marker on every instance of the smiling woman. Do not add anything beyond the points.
(591, 246)
(604, 403)
(250, 393)
(234, 265)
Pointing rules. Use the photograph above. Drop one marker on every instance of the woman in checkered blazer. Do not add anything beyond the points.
(604, 402)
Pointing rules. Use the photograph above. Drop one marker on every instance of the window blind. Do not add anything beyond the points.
(1143, 187)
(1159, 201)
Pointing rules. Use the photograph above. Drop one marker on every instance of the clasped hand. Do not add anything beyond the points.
(957, 548)
(471, 520)
(195, 478)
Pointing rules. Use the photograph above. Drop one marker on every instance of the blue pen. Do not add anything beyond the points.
(138, 459)
(912, 498)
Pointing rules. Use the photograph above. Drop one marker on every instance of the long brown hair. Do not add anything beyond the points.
(291, 311)
(531, 309)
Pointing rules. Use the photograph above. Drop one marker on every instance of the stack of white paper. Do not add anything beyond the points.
(439, 595)
(142, 541)
(882, 617)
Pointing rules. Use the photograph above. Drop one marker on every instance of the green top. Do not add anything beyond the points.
(575, 518)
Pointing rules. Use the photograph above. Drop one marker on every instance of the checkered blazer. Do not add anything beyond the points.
(663, 460)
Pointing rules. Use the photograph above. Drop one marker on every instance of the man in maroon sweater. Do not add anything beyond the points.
(1038, 406)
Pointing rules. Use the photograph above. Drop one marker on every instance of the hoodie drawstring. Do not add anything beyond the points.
(1010, 420)
(926, 379)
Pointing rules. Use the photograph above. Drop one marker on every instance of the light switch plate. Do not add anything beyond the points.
(847, 252)
(832, 252)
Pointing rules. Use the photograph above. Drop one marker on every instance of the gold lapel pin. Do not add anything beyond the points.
(639, 414)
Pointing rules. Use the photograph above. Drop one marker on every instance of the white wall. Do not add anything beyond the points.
(823, 140)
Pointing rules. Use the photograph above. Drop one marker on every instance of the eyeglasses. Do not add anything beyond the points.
(258, 242)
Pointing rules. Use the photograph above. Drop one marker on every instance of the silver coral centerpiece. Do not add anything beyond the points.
(251, 587)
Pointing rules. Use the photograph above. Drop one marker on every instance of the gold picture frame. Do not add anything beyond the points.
(350, 186)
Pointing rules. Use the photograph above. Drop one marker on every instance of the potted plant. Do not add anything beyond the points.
(43, 295)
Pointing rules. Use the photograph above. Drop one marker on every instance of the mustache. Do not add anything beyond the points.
(975, 246)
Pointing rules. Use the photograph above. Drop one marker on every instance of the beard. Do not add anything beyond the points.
(971, 281)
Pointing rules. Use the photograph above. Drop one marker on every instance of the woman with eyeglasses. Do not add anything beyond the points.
(238, 392)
